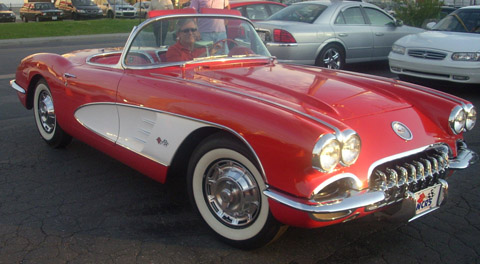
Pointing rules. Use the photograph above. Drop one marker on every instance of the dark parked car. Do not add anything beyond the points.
(257, 10)
(77, 9)
(6, 15)
(40, 12)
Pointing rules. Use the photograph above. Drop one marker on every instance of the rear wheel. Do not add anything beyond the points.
(331, 57)
(226, 187)
(45, 117)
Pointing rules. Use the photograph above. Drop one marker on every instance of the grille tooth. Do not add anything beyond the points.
(392, 178)
(402, 175)
(412, 173)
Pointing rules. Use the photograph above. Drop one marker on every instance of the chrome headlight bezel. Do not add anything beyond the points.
(457, 120)
(326, 153)
(351, 145)
(471, 113)
(332, 150)
(398, 49)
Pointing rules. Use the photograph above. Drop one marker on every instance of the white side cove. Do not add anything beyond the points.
(148, 132)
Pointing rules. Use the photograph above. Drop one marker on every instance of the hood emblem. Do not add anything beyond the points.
(402, 130)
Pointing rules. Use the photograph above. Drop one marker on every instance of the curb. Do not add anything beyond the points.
(63, 40)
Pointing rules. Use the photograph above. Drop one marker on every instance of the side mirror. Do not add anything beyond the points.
(398, 23)
(431, 25)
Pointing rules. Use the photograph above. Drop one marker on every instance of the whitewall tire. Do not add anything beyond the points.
(45, 117)
(226, 188)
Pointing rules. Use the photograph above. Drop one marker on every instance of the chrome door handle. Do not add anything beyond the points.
(69, 75)
(343, 35)
(379, 34)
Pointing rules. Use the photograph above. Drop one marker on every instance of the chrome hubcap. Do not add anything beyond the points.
(232, 193)
(331, 59)
(46, 112)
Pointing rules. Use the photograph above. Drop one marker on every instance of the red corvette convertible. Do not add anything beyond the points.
(262, 145)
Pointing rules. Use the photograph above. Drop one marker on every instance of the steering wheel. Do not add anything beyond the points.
(222, 44)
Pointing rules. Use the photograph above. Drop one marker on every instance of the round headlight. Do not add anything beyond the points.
(457, 119)
(471, 112)
(350, 148)
(326, 153)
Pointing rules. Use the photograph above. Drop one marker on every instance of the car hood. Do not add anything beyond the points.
(442, 40)
(315, 91)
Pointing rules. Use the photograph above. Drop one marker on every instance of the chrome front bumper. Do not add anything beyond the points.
(17, 87)
(372, 200)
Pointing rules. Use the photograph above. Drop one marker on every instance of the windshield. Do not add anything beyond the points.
(190, 39)
(460, 21)
(3, 7)
(300, 13)
(44, 6)
(83, 3)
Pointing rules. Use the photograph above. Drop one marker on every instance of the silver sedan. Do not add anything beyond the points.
(332, 33)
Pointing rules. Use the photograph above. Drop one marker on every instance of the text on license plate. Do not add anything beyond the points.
(427, 199)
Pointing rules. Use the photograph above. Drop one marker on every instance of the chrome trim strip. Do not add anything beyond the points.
(17, 87)
(358, 200)
(274, 44)
(465, 157)
(141, 140)
(336, 178)
(262, 170)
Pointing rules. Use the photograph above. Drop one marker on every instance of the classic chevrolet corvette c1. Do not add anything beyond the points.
(262, 145)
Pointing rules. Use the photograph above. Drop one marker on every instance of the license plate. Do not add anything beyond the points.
(262, 36)
(54, 18)
(427, 199)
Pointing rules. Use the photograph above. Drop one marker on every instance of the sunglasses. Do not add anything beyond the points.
(186, 30)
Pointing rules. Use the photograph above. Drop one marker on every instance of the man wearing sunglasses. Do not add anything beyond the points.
(184, 49)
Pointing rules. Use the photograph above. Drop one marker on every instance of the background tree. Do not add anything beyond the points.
(417, 13)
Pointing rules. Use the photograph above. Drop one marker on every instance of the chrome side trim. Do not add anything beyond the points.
(274, 44)
(17, 87)
(356, 200)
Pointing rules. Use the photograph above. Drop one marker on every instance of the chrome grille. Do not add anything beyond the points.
(412, 173)
(427, 54)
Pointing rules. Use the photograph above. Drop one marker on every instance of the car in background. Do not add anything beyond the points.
(116, 8)
(256, 10)
(40, 11)
(6, 14)
(450, 51)
(79, 9)
(259, 145)
(332, 33)
(142, 8)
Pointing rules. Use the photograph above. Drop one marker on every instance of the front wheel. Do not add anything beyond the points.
(331, 57)
(226, 187)
(45, 117)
